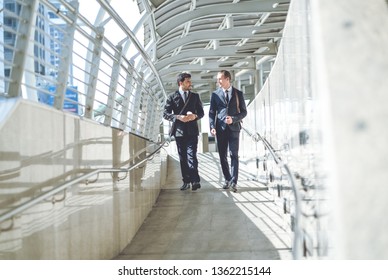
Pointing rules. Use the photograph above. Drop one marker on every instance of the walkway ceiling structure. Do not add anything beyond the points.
(202, 37)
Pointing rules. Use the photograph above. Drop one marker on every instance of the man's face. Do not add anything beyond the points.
(222, 81)
(186, 84)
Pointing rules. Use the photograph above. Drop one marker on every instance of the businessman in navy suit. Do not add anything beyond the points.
(227, 109)
(184, 108)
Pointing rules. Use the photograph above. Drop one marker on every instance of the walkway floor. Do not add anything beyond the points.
(211, 223)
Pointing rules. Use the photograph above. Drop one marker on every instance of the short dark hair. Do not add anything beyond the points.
(226, 74)
(181, 77)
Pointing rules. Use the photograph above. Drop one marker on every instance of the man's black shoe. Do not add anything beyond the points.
(196, 185)
(185, 186)
(233, 186)
(225, 186)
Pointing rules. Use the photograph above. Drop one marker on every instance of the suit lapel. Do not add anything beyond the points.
(232, 97)
(178, 98)
(221, 95)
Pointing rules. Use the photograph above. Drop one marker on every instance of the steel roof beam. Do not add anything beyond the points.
(220, 52)
(212, 66)
(235, 33)
(248, 7)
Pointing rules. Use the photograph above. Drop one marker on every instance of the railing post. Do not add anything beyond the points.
(150, 121)
(113, 85)
(93, 73)
(127, 95)
(66, 58)
(146, 116)
(136, 105)
(26, 24)
(155, 122)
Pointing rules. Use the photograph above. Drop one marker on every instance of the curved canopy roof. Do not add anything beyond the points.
(204, 36)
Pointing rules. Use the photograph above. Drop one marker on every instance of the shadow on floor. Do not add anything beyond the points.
(211, 223)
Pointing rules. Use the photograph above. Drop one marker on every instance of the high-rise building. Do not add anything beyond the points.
(2, 85)
(47, 45)
(10, 18)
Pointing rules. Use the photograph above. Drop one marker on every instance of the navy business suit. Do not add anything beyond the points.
(227, 135)
(185, 133)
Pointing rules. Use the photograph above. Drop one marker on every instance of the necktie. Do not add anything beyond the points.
(226, 96)
(185, 96)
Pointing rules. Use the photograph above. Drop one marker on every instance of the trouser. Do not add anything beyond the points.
(187, 150)
(228, 138)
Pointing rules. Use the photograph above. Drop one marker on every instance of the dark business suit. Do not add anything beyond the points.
(185, 133)
(227, 135)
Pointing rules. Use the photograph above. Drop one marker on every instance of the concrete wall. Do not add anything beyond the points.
(41, 148)
(324, 109)
(351, 69)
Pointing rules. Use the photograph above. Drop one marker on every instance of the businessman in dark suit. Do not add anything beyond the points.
(184, 108)
(227, 109)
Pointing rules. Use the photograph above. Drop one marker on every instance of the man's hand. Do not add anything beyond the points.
(182, 118)
(228, 120)
(190, 116)
(213, 131)
(187, 118)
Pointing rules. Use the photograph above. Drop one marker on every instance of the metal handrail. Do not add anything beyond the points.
(298, 238)
(11, 213)
(109, 9)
